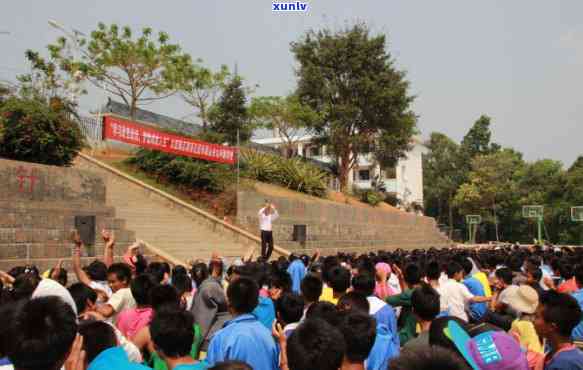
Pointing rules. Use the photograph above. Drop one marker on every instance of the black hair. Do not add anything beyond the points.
(24, 285)
(364, 283)
(536, 273)
(562, 310)
(199, 273)
(141, 264)
(97, 337)
(452, 269)
(141, 287)
(243, 295)
(436, 335)
(467, 266)
(122, 271)
(231, 365)
(179, 270)
(315, 345)
(412, 274)
(425, 302)
(7, 312)
(566, 271)
(61, 277)
(579, 274)
(359, 330)
(281, 280)
(156, 269)
(82, 293)
(164, 296)
(173, 332)
(311, 288)
(339, 279)
(41, 334)
(325, 311)
(97, 271)
(504, 274)
(182, 283)
(433, 270)
(354, 301)
(428, 358)
(290, 307)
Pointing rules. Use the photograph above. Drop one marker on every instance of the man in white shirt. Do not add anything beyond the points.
(267, 215)
(457, 295)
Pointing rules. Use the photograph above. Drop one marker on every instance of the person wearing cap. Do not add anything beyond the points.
(556, 317)
(524, 302)
(491, 350)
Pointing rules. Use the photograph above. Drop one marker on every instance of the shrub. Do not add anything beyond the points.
(294, 173)
(371, 197)
(184, 171)
(34, 131)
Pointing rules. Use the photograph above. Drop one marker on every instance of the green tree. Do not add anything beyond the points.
(350, 78)
(478, 139)
(201, 89)
(37, 131)
(287, 116)
(492, 185)
(230, 114)
(137, 70)
(442, 165)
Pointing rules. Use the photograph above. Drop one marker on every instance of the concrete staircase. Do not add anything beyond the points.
(171, 228)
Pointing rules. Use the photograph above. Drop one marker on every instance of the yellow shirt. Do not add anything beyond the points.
(528, 336)
(483, 279)
(328, 296)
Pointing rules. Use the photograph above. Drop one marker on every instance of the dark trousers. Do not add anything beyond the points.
(266, 244)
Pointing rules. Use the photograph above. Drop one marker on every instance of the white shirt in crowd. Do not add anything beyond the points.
(456, 295)
(265, 221)
(121, 300)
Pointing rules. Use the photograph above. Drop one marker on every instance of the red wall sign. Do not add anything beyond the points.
(133, 133)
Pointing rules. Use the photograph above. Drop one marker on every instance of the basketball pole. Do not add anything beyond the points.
(540, 223)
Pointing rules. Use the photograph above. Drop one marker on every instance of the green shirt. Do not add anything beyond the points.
(407, 322)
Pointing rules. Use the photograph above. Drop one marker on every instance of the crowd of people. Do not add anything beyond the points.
(504, 307)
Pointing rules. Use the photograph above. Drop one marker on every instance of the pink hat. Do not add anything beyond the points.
(383, 267)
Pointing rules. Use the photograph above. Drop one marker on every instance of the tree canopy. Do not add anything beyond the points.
(350, 78)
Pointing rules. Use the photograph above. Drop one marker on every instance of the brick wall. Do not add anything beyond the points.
(38, 205)
(334, 227)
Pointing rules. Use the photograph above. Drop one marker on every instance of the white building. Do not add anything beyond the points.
(405, 179)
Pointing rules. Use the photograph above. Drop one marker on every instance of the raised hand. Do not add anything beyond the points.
(76, 359)
(76, 238)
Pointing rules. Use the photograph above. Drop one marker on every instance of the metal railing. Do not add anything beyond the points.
(91, 127)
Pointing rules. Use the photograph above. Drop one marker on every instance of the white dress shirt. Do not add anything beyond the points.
(265, 221)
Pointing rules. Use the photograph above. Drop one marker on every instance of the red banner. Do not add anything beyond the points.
(119, 129)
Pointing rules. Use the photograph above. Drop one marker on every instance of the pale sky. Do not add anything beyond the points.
(520, 61)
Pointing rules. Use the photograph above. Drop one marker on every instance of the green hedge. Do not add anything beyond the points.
(294, 173)
(184, 171)
(34, 131)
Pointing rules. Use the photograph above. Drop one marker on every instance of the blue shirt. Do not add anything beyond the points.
(197, 366)
(566, 360)
(265, 312)
(297, 271)
(385, 315)
(244, 339)
(114, 358)
(577, 333)
(477, 310)
(383, 350)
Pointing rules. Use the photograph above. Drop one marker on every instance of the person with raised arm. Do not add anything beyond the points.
(267, 215)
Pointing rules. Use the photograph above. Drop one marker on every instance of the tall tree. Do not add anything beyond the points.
(137, 70)
(287, 116)
(492, 184)
(444, 173)
(202, 87)
(478, 139)
(230, 114)
(350, 78)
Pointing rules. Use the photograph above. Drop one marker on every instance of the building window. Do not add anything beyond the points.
(389, 173)
(364, 175)
(314, 151)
